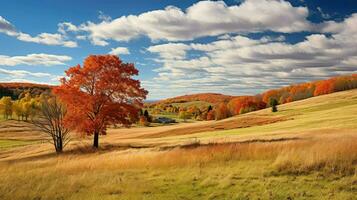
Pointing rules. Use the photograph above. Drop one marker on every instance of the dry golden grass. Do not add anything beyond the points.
(315, 150)
(87, 174)
(333, 154)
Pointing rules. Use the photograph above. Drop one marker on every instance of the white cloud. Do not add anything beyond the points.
(47, 38)
(34, 59)
(81, 37)
(120, 51)
(349, 25)
(65, 27)
(244, 65)
(19, 74)
(170, 50)
(205, 18)
(42, 38)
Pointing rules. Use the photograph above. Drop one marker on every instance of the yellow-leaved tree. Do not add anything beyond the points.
(6, 107)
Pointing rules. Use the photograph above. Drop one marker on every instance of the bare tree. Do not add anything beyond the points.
(50, 121)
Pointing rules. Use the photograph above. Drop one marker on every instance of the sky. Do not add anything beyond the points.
(235, 47)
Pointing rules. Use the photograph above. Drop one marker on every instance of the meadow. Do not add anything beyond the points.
(307, 150)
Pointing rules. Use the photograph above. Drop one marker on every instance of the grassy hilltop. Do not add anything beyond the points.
(307, 150)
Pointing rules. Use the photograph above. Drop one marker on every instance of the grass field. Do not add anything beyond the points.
(308, 150)
(13, 143)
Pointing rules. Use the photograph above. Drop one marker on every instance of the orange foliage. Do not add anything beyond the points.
(221, 111)
(100, 93)
(143, 121)
(245, 104)
(324, 87)
(270, 94)
(210, 115)
(242, 104)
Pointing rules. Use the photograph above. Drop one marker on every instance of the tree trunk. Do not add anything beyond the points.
(96, 140)
(59, 145)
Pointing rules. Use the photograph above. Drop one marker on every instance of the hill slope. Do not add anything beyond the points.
(310, 152)
(15, 89)
(206, 97)
(305, 118)
(300, 118)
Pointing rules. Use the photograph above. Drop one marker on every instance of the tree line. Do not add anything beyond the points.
(25, 108)
(271, 98)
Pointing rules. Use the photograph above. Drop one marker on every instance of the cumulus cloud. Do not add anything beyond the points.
(248, 65)
(34, 59)
(42, 38)
(170, 50)
(66, 27)
(120, 51)
(205, 18)
(47, 38)
(19, 74)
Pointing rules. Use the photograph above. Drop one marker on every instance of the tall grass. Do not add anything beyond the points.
(81, 173)
(334, 155)
(329, 155)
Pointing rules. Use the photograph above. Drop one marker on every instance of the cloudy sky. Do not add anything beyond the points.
(180, 47)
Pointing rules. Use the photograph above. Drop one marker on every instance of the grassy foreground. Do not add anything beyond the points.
(312, 155)
(276, 170)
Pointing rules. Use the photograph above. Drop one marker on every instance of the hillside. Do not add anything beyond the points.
(213, 98)
(304, 151)
(211, 106)
(15, 89)
(296, 119)
(305, 118)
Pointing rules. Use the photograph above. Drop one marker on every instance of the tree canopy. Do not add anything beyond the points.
(100, 93)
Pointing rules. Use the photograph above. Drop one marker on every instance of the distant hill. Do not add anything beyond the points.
(15, 89)
(213, 98)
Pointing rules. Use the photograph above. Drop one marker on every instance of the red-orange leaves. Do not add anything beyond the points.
(324, 87)
(100, 93)
(244, 104)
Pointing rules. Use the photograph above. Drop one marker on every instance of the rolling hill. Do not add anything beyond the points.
(304, 151)
(15, 89)
(205, 97)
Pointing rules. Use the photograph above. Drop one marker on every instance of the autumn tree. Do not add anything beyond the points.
(143, 121)
(18, 109)
(324, 87)
(100, 93)
(183, 114)
(221, 111)
(6, 107)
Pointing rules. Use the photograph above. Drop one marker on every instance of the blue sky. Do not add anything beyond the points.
(182, 47)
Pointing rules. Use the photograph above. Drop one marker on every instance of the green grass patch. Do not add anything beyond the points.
(5, 144)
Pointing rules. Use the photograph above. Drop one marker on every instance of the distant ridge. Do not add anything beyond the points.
(23, 85)
(213, 98)
(15, 89)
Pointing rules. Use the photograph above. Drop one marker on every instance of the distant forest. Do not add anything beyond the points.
(15, 90)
